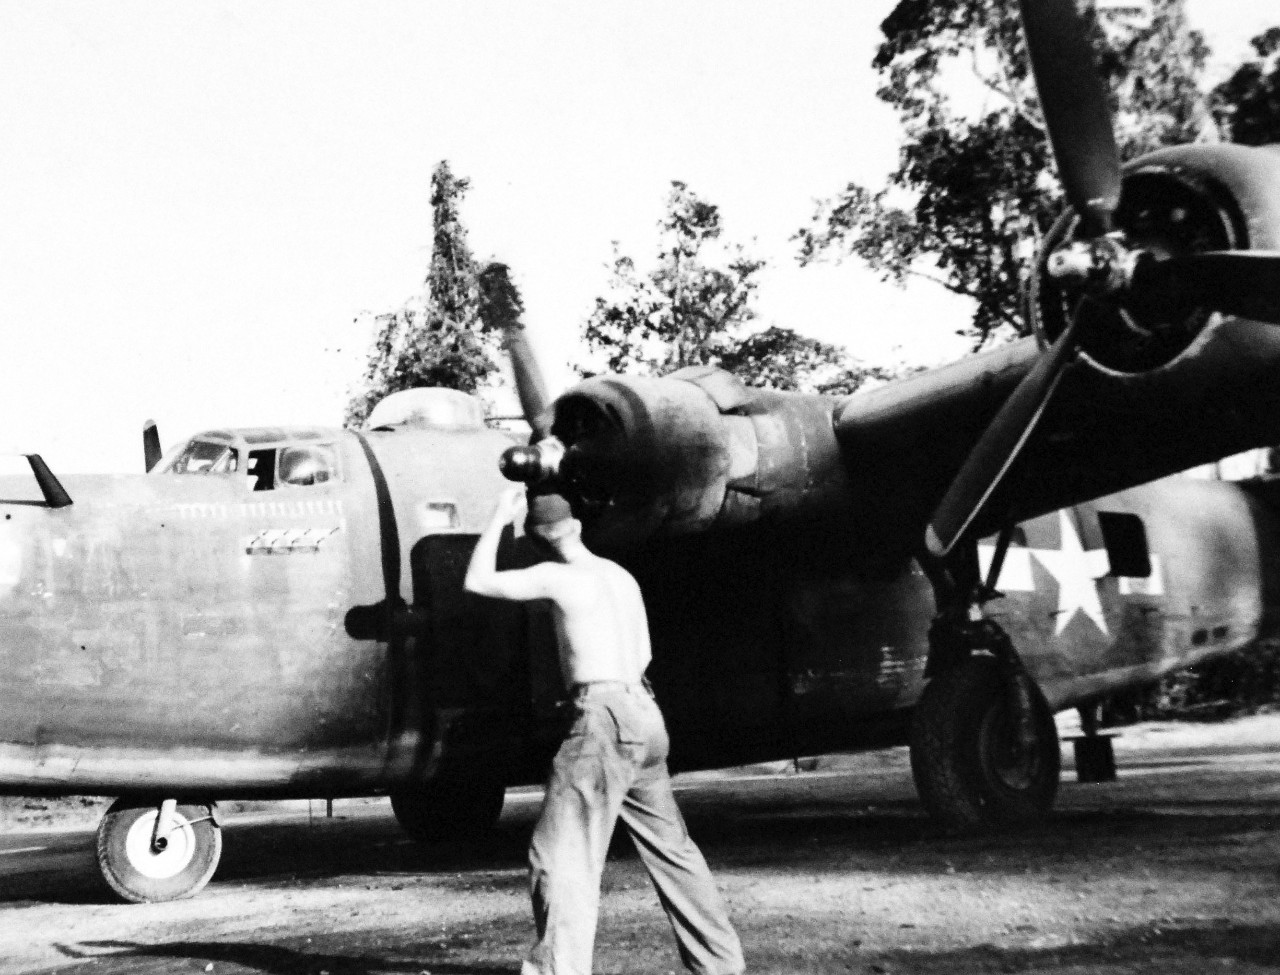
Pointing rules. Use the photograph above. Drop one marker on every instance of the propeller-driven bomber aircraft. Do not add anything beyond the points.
(946, 560)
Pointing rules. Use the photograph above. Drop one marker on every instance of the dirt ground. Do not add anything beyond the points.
(1173, 869)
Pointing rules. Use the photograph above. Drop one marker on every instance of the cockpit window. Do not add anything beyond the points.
(265, 468)
(308, 464)
(262, 469)
(206, 457)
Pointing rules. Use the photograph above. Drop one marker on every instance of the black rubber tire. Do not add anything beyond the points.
(448, 808)
(966, 768)
(141, 876)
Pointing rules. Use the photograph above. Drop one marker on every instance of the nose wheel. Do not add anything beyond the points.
(151, 852)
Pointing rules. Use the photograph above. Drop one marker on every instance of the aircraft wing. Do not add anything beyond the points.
(698, 451)
(1170, 362)
(1102, 431)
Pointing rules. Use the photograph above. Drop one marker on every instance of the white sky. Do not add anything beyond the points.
(197, 200)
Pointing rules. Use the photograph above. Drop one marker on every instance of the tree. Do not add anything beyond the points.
(974, 189)
(684, 310)
(690, 311)
(437, 338)
(779, 358)
(1247, 105)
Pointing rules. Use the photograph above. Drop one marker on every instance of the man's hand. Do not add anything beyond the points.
(511, 506)
(483, 577)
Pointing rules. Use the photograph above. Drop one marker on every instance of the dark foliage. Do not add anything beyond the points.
(683, 311)
(437, 338)
(1243, 682)
(779, 358)
(1247, 105)
(692, 307)
(975, 190)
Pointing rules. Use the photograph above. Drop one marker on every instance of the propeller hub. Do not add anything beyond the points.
(534, 464)
(1100, 266)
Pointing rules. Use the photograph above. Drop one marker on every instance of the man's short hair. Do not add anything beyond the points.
(546, 513)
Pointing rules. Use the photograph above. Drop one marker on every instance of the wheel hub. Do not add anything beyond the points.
(1005, 762)
(170, 854)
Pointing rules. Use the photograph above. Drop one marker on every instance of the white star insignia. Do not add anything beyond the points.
(1075, 570)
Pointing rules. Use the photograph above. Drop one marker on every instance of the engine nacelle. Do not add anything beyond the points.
(1176, 201)
(683, 453)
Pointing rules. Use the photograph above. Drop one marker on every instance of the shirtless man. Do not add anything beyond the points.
(612, 764)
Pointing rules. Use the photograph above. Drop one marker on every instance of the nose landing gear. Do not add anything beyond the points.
(149, 851)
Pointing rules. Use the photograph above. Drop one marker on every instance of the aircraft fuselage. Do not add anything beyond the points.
(189, 635)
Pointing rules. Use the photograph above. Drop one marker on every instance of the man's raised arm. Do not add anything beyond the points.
(483, 577)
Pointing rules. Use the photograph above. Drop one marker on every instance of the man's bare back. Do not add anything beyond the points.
(613, 760)
(600, 617)
(600, 620)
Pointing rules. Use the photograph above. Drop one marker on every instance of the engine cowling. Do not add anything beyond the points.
(684, 453)
(1176, 201)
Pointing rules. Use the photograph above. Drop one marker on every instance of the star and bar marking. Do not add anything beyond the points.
(1075, 569)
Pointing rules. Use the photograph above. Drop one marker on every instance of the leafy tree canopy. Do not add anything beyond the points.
(692, 301)
(1247, 105)
(694, 306)
(779, 358)
(975, 187)
(436, 338)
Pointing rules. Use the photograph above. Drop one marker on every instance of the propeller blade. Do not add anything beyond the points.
(534, 400)
(1074, 101)
(1244, 283)
(999, 446)
(501, 308)
(151, 444)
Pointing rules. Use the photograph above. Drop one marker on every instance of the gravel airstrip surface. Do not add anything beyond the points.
(1173, 869)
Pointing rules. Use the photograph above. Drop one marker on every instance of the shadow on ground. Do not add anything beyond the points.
(1183, 949)
(126, 956)
(1189, 949)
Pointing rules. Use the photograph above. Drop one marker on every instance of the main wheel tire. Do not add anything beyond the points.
(969, 769)
(448, 807)
(142, 875)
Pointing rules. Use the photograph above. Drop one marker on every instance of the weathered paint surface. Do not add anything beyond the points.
(1085, 630)
(180, 631)
(805, 653)
(183, 634)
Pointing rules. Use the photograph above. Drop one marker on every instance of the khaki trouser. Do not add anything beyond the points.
(614, 763)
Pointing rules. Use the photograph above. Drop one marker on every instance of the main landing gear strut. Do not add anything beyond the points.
(984, 747)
